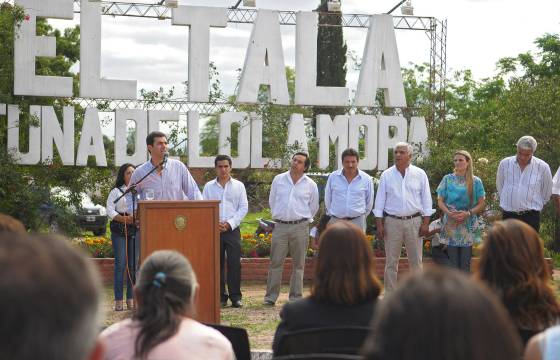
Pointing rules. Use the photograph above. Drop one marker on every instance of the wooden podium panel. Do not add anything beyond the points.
(191, 228)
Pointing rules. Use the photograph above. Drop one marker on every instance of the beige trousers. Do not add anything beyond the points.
(396, 232)
(295, 239)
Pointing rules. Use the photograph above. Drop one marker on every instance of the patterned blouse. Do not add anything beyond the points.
(453, 190)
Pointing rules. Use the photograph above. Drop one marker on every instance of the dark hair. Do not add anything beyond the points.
(50, 299)
(350, 152)
(512, 263)
(222, 158)
(345, 270)
(166, 285)
(120, 174)
(152, 137)
(441, 314)
(307, 159)
(11, 224)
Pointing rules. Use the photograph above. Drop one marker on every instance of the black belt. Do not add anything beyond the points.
(521, 213)
(123, 214)
(402, 217)
(346, 218)
(291, 222)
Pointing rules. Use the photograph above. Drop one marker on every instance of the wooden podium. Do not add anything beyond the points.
(191, 228)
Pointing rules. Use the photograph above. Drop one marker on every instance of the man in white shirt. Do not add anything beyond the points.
(170, 181)
(524, 184)
(349, 191)
(233, 208)
(556, 191)
(402, 212)
(294, 200)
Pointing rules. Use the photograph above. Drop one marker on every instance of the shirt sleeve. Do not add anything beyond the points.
(328, 194)
(427, 209)
(547, 184)
(111, 212)
(556, 183)
(272, 195)
(442, 188)
(242, 208)
(206, 192)
(190, 187)
(381, 197)
(500, 176)
(479, 191)
(314, 200)
(370, 195)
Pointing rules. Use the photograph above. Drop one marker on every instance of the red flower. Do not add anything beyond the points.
(27, 17)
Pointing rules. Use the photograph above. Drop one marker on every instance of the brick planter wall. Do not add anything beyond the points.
(256, 269)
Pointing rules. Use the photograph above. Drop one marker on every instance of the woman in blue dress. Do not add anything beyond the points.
(461, 198)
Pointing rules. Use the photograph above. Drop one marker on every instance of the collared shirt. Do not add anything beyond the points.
(174, 183)
(233, 200)
(289, 201)
(403, 196)
(556, 183)
(523, 190)
(348, 200)
(124, 205)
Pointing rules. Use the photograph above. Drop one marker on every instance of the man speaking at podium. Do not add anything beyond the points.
(168, 179)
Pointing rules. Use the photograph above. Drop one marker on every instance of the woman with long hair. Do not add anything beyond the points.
(345, 288)
(123, 236)
(441, 314)
(162, 326)
(512, 263)
(461, 198)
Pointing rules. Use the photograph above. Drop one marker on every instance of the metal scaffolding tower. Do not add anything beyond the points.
(435, 29)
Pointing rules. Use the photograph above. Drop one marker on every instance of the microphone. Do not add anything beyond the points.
(165, 156)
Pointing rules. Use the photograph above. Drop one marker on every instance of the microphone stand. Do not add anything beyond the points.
(132, 190)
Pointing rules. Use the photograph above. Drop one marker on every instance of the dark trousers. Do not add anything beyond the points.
(230, 255)
(460, 257)
(532, 217)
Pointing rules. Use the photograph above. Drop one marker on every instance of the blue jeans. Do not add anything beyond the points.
(119, 251)
(460, 257)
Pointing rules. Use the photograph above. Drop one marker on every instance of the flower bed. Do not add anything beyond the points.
(96, 247)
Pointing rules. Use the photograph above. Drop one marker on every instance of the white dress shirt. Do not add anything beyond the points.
(174, 183)
(348, 200)
(233, 200)
(403, 196)
(124, 205)
(523, 190)
(556, 183)
(289, 201)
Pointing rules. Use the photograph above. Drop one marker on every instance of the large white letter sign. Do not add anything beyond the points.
(33, 156)
(297, 138)
(199, 19)
(91, 83)
(381, 68)
(195, 160)
(264, 62)
(51, 132)
(257, 160)
(157, 116)
(140, 118)
(369, 162)
(386, 141)
(418, 133)
(307, 91)
(331, 131)
(227, 119)
(91, 141)
(28, 45)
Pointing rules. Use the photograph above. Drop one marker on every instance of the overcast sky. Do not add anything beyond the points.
(479, 33)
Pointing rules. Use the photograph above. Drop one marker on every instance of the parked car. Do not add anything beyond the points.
(88, 215)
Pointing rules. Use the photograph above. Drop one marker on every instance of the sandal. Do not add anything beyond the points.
(118, 305)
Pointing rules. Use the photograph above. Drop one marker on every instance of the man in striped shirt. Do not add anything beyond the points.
(524, 184)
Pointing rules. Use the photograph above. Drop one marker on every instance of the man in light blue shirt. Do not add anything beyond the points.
(349, 191)
(233, 208)
(171, 181)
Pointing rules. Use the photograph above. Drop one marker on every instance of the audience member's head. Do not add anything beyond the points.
(10, 224)
(345, 270)
(440, 314)
(165, 292)
(49, 300)
(512, 263)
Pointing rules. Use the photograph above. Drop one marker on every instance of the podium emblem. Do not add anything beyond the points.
(180, 222)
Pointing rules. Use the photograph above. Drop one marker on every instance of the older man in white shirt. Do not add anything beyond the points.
(294, 201)
(524, 184)
(349, 191)
(402, 212)
(233, 208)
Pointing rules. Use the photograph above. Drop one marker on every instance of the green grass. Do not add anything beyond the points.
(250, 223)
